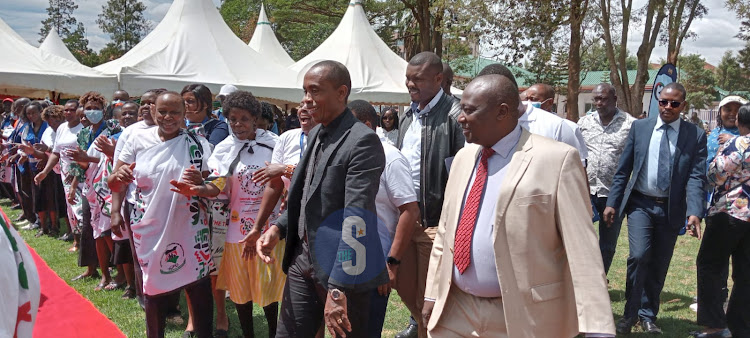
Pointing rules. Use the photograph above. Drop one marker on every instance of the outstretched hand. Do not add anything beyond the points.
(185, 188)
(271, 171)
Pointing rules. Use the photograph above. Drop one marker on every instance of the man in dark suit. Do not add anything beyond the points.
(666, 158)
(333, 257)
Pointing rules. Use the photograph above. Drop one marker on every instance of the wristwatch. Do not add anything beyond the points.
(336, 294)
(392, 261)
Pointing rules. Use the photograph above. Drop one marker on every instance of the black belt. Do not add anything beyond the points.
(653, 198)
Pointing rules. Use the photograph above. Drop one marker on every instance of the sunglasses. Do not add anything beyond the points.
(668, 103)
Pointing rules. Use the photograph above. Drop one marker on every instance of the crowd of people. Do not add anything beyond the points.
(466, 207)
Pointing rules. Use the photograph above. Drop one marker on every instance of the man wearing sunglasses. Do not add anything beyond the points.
(666, 157)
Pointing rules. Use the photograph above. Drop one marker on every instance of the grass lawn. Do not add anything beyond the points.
(675, 318)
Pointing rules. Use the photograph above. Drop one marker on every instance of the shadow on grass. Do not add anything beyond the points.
(670, 326)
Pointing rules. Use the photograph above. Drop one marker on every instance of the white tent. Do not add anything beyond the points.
(27, 71)
(378, 74)
(53, 44)
(264, 41)
(193, 44)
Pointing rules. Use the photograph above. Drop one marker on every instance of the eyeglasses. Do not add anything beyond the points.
(388, 118)
(668, 103)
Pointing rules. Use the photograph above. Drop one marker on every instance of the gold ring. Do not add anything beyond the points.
(339, 321)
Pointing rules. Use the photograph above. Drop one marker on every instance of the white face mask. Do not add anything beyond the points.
(94, 115)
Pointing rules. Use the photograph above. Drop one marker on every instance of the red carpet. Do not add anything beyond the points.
(65, 313)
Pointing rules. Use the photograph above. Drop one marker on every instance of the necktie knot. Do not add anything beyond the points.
(486, 153)
(666, 127)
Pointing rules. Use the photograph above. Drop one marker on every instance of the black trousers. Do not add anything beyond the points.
(198, 294)
(136, 265)
(87, 244)
(725, 237)
(304, 301)
(25, 189)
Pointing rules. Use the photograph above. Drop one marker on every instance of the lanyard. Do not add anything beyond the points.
(301, 144)
(96, 134)
(38, 135)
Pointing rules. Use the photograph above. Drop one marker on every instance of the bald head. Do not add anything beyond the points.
(121, 95)
(489, 109)
(605, 101)
(334, 72)
(542, 90)
(543, 94)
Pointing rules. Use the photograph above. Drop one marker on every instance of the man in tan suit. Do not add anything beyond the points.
(515, 232)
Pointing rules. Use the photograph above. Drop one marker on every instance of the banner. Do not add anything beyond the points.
(666, 75)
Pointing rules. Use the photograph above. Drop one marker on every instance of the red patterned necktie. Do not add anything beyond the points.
(465, 232)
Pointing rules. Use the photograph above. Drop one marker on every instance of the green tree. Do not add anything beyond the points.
(730, 75)
(594, 58)
(124, 22)
(60, 18)
(617, 19)
(301, 26)
(698, 81)
(679, 17)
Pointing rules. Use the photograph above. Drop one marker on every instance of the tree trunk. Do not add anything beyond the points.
(577, 13)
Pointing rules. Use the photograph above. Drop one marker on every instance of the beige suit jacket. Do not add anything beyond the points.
(546, 251)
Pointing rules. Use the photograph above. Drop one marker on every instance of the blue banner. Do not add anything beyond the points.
(666, 75)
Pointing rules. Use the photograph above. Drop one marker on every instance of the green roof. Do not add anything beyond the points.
(469, 67)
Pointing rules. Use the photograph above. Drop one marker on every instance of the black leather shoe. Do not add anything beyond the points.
(625, 325)
(720, 334)
(650, 327)
(410, 331)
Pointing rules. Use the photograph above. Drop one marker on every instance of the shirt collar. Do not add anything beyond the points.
(429, 106)
(507, 144)
(675, 125)
(619, 114)
(328, 130)
(529, 114)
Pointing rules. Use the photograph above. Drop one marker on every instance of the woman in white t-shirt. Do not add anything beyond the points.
(66, 137)
(170, 231)
(232, 165)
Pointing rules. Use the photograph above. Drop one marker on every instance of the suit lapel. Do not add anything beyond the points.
(681, 138)
(340, 134)
(516, 168)
(463, 170)
(643, 146)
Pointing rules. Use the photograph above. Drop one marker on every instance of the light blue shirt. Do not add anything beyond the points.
(480, 278)
(411, 147)
(647, 179)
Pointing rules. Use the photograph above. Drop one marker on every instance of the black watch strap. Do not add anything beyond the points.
(392, 261)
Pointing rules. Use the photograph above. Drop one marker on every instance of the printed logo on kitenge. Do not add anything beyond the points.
(347, 247)
(235, 216)
(246, 183)
(173, 259)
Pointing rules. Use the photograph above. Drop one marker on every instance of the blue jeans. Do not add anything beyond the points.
(651, 238)
(608, 235)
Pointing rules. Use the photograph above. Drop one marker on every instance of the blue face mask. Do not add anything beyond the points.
(536, 104)
(94, 116)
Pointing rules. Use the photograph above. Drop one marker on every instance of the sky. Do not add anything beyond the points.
(715, 31)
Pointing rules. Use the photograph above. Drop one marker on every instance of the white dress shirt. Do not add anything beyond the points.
(647, 182)
(541, 122)
(480, 278)
(411, 147)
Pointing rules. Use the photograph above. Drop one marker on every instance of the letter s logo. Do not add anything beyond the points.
(351, 224)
